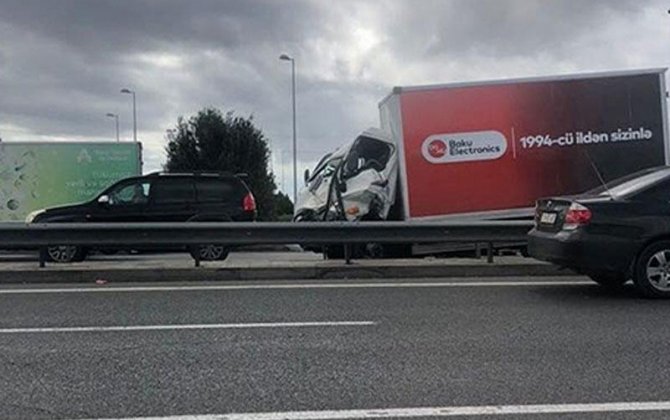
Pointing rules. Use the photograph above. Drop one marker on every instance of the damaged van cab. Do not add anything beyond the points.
(356, 182)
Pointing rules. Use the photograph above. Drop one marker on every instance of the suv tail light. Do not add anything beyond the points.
(577, 215)
(249, 203)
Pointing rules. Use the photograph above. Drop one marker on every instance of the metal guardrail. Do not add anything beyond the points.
(15, 235)
(248, 233)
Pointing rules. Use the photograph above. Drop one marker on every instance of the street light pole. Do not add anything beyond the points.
(132, 92)
(295, 141)
(116, 119)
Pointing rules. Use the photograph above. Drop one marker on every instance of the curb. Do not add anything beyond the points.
(279, 273)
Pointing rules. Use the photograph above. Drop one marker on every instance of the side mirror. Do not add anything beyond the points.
(104, 200)
(306, 175)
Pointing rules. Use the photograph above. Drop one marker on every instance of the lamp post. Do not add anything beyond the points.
(286, 57)
(116, 119)
(132, 92)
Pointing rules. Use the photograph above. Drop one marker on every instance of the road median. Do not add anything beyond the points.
(266, 266)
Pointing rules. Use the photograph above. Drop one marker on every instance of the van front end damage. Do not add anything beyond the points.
(367, 196)
(356, 182)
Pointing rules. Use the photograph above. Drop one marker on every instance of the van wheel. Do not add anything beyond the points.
(334, 252)
(209, 252)
(373, 250)
(652, 271)
(66, 253)
(609, 280)
(397, 250)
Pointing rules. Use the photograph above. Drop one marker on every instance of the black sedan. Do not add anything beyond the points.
(614, 233)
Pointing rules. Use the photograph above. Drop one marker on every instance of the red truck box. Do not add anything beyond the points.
(490, 149)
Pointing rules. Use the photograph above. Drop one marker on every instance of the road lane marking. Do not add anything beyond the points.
(186, 327)
(486, 410)
(118, 289)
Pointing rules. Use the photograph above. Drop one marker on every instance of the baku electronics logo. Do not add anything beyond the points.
(437, 148)
(464, 147)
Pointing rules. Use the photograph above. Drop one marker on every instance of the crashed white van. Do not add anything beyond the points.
(488, 150)
(356, 182)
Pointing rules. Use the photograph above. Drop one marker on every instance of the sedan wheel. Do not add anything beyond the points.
(658, 270)
(652, 273)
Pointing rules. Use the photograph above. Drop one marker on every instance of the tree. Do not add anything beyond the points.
(283, 206)
(210, 141)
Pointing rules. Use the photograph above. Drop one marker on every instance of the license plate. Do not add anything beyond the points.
(548, 218)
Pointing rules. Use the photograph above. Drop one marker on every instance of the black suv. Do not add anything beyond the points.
(159, 197)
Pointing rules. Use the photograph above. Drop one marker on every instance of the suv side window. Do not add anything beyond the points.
(128, 194)
(173, 191)
(215, 190)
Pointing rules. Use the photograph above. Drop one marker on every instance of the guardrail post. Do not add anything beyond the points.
(196, 258)
(347, 254)
(478, 250)
(43, 256)
(489, 253)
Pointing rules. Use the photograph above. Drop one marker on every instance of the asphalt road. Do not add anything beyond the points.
(387, 348)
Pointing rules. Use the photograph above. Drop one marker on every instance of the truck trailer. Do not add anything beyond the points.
(488, 150)
(37, 175)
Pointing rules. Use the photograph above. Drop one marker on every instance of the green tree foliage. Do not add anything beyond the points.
(283, 206)
(211, 141)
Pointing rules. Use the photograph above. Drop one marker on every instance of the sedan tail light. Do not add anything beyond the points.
(576, 216)
(249, 203)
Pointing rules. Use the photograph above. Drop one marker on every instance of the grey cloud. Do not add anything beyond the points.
(69, 58)
(500, 28)
(63, 62)
(104, 27)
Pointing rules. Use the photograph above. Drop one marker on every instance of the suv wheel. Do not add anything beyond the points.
(209, 252)
(652, 270)
(66, 253)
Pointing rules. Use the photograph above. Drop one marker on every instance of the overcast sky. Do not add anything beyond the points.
(63, 62)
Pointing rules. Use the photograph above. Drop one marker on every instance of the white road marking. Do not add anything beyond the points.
(117, 289)
(486, 410)
(186, 327)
